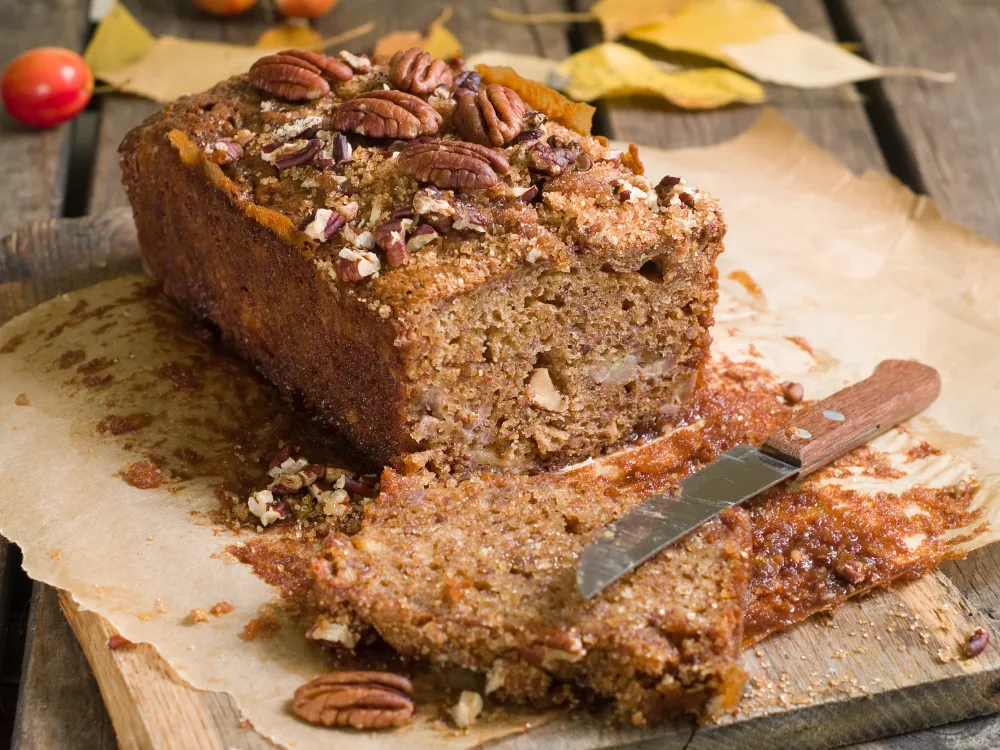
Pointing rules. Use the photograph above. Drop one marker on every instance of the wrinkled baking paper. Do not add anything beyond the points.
(858, 267)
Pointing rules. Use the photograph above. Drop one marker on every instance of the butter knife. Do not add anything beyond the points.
(896, 391)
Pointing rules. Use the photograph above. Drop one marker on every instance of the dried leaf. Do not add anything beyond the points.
(118, 40)
(346, 36)
(618, 16)
(527, 66)
(758, 38)
(439, 41)
(173, 67)
(574, 115)
(612, 69)
(290, 35)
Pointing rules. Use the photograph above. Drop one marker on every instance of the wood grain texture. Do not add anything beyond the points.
(150, 706)
(824, 431)
(120, 113)
(34, 162)
(59, 705)
(834, 118)
(950, 128)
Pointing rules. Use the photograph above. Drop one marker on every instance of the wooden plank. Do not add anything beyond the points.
(119, 113)
(150, 705)
(950, 128)
(59, 705)
(35, 161)
(834, 119)
(948, 132)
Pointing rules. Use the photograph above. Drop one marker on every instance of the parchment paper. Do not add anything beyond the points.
(858, 267)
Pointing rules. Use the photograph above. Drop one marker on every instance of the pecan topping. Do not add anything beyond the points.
(791, 391)
(225, 151)
(357, 63)
(492, 117)
(469, 79)
(295, 153)
(387, 114)
(362, 700)
(354, 266)
(297, 75)
(529, 135)
(413, 70)
(391, 237)
(548, 161)
(453, 164)
(323, 224)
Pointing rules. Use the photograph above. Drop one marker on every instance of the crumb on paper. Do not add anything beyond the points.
(468, 708)
(198, 614)
(265, 628)
(221, 608)
(22, 400)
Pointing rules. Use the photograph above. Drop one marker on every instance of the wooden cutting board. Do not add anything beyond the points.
(881, 665)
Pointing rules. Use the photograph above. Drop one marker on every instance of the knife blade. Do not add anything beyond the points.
(820, 433)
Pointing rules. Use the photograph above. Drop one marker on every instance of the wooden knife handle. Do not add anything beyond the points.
(896, 391)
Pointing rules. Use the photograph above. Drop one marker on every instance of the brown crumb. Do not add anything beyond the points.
(245, 723)
(198, 614)
(143, 475)
(125, 424)
(976, 642)
(792, 392)
(22, 400)
(221, 608)
(117, 641)
(265, 627)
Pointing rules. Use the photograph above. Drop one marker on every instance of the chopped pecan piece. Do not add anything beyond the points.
(225, 151)
(297, 75)
(354, 266)
(453, 164)
(791, 391)
(421, 237)
(528, 135)
(470, 80)
(357, 63)
(323, 224)
(387, 114)
(391, 237)
(548, 161)
(292, 153)
(976, 642)
(413, 70)
(362, 700)
(493, 117)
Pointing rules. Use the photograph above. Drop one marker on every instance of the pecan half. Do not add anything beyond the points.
(297, 75)
(362, 700)
(413, 70)
(493, 117)
(453, 164)
(387, 114)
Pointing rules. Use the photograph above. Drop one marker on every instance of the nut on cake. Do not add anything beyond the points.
(424, 262)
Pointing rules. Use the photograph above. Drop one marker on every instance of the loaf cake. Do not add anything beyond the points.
(481, 573)
(424, 262)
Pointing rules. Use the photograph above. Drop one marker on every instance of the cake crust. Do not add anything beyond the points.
(561, 310)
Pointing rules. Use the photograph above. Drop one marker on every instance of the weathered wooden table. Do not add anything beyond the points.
(938, 139)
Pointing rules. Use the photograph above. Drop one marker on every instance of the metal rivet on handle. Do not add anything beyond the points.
(836, 416)
(803, 434)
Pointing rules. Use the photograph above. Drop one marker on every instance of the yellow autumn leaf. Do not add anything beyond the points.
(173, 67)
(758, 38)
(118, 40)
(612, 69)
(618, 16)
(290, 35)
(438, 41)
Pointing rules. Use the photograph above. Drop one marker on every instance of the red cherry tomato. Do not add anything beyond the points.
(46, 86)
